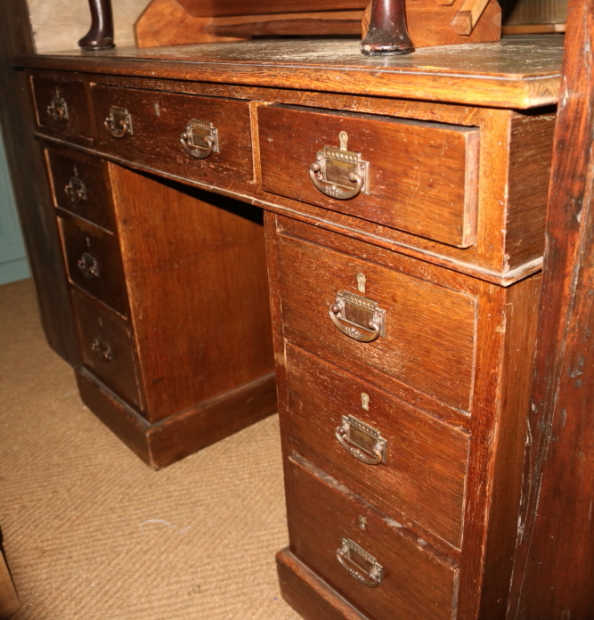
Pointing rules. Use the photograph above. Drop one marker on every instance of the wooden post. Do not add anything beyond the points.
(100, 35)
(387, 32)
(554, 571)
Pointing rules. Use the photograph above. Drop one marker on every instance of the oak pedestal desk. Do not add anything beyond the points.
(404, 202)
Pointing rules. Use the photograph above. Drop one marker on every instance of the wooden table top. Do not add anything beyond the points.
(519, 72)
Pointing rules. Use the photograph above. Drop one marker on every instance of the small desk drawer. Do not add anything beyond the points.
(347, 542)
(404, 457)
(62, 107)
(421, 177)
(427, 335)
(93, 261)
(107, 347)
(199, 138)
(80, 186)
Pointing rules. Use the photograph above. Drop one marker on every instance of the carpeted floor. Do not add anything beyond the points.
(91, 533)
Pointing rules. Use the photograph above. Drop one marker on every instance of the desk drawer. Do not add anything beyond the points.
(421, 177)
(79, 186)
(325, 517)
(107, 347)
(62, 107)
(428, 336)
(156, 123)
(93, 261)
(422, 462)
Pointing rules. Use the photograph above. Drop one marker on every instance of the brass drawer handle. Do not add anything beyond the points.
(102, 350)
(365, 321)
(58, 109)
(336, 169)
(119, 122)
(89, 266)
(200, 140)
(353, 558)
(76, 190)
(361, 441)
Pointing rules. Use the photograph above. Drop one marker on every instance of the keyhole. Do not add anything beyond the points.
(365, 401)
(344, 140)
(361, 282)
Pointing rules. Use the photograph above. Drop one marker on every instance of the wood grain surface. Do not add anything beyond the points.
(422, 177)
(519, 73)
(315, 497)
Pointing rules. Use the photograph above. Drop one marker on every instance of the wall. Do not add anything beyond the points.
(59, 24)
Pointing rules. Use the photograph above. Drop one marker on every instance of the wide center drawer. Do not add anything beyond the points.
(369, 558)
(407, 460)
(416, 176)
(199, 138)
(427, 338)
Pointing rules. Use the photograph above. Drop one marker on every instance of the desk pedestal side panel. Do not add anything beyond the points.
(171, 306)
(413, 483)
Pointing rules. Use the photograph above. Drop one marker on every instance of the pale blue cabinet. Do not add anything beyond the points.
(13, 260)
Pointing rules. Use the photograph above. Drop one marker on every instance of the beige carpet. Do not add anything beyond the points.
(91, 533)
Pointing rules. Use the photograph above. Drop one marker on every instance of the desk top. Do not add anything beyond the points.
(518, 72)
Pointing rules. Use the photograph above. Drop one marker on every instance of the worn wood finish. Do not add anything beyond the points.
(164, 443)
(66, 95)
(509, 74)
(422, 177)
(196, 281)
(79, 185)
(31, 190)
(315, 497)
(93, 261)
(158, 122)
(217, 8)
(309, 595)
(554, 571)
(498, 177)
(422, 478)
(107, 347)
(424, 343)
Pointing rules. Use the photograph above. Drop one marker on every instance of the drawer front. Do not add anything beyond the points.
(421, 177)
(156, 123)
(428, 336)
(93, 262)
(324, 515)
(107, 347)
(406, 458)
(62, 107)
(80, 186)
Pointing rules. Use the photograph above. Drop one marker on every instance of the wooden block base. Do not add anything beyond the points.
(309, 595)
(172, 439)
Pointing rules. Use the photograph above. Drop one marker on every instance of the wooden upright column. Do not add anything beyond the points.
(554, 573)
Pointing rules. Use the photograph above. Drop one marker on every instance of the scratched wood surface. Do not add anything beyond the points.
(518, 72)
(555, 572)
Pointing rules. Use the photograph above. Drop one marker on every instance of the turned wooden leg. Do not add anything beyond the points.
(387, 32)
(100, 35)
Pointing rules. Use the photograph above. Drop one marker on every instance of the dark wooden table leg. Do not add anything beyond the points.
(387, 32)
(100, 35)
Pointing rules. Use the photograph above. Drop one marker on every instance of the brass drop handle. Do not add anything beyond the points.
(58, 109)
(119, 122)
(333, 190)
(375, 324)
(102, 350)
(371, 579)
(75, 190)
(335, 169)
(89, 266)
(200, 139)
(361, 440)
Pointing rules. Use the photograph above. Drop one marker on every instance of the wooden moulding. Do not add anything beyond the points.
(430, 23)
(168, 441)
